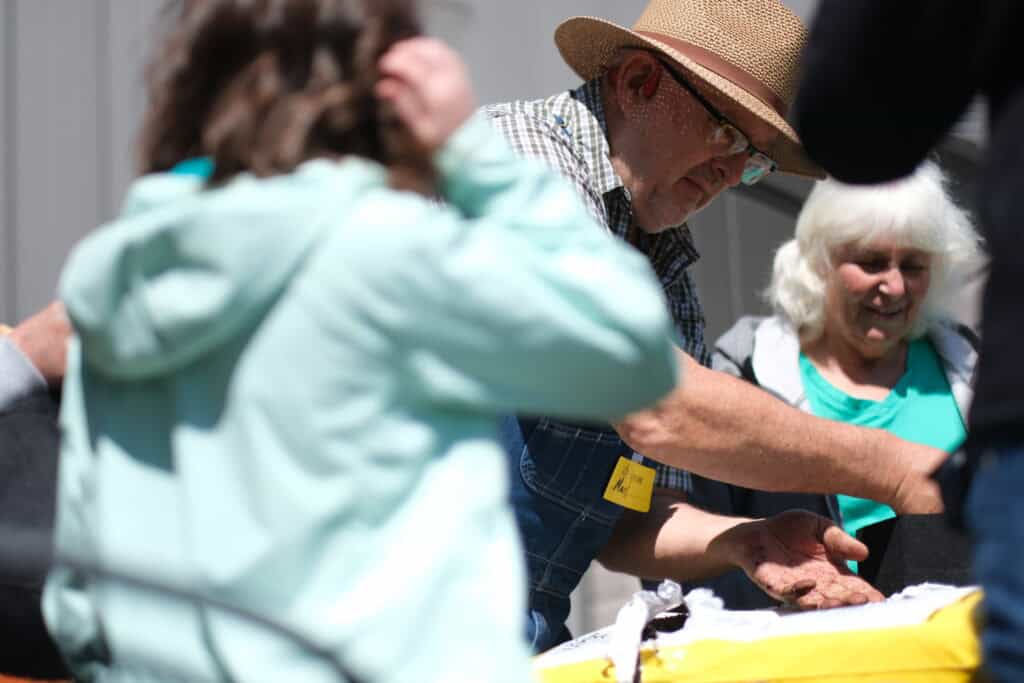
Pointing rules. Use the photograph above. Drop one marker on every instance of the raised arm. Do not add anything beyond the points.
(723, 428)
(517, 300)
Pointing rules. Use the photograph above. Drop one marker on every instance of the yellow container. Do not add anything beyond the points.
(944, 648)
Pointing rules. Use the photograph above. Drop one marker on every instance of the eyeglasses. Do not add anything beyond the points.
(727, 136)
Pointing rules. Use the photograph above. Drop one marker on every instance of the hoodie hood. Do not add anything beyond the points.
(185, 269)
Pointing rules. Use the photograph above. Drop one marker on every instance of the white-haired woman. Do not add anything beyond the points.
(863, 332)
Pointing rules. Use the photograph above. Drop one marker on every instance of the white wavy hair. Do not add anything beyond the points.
(915, 211)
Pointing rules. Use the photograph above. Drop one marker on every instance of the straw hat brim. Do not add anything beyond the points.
(588, 44)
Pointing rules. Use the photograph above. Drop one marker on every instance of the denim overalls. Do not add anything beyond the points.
(558, 473)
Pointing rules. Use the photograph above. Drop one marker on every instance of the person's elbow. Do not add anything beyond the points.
(646, 431)
(652, 430)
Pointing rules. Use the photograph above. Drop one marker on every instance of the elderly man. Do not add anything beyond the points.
(688, 103)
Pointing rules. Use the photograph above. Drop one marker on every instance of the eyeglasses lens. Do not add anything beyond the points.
(729, 139)
(757, 167)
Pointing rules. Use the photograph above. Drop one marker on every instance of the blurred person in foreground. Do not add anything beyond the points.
(884, 82)
(863, 332)
(288, 360)
(689, 102)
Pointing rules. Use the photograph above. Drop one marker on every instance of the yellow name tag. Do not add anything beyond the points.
(631, 485)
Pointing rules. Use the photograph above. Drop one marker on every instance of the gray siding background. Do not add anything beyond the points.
(71, 99)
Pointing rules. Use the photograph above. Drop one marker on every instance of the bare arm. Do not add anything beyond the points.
(796, 557)
(723, 428)
(674, 539)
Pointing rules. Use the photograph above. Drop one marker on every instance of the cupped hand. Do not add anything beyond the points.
(799, 558)
(428, 85)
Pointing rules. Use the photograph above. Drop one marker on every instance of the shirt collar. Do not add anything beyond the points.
(592, 135)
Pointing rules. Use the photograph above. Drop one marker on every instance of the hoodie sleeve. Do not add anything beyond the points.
(513, 298)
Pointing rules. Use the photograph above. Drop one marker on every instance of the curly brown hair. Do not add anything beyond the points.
(260, 86)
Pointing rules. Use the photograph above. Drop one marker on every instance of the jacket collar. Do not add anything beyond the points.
(776, 361)
(960, 361)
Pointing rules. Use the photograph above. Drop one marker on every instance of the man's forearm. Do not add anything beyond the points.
(795, 557)
(673, 540)
(723, 428)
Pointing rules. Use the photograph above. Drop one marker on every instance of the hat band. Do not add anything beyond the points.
(723, 68)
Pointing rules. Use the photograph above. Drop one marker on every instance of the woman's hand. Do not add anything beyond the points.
(800, 558)
(427, 84)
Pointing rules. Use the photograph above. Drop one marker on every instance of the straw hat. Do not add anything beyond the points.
(746, 50)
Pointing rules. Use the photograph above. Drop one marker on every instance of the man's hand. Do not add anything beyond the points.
(43, 338)
(427, 84)
(918, 493)
(799, 558)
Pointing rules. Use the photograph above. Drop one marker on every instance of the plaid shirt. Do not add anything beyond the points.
(568, 132)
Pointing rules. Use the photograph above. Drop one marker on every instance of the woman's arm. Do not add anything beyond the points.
(511, 298)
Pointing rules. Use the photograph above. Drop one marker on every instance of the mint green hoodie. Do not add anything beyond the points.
(283, 393)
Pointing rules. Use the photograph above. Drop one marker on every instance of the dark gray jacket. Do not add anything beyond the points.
(28, 482)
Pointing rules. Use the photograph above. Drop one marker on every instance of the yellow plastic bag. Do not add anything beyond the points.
(942, 648)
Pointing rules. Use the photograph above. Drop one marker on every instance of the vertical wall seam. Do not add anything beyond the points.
(735, 251)
(104, 115)
(10, 160)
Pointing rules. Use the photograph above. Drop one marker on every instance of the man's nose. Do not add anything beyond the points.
(729, 170)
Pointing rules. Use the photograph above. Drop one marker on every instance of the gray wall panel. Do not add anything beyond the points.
(7, 167)
(57, 144)
(510, 46)
(717, 291)
(133, 27)
(761, 230)
(737, 238)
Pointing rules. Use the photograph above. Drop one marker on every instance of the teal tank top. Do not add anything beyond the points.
(920, 408)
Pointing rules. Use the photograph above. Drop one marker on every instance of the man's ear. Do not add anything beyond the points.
(650, 86)
(637, 78)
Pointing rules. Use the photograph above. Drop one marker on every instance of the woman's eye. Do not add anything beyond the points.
(873, 265)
